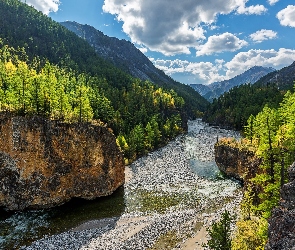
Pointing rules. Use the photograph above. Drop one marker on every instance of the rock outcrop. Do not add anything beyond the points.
(281, 230)
(45, 163)
(239, 163)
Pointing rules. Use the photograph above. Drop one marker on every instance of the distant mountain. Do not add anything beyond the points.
(233, 108)
(283, 78)
(201, 88)
(216, 89)
(124, 55)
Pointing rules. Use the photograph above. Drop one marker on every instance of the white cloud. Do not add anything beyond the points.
(251, 10)
(143, 50)
(46, 6)
(221, 43)
(262, 35)
(170, 27)
(267, 58)
(287, 16)
(272, 2)
(207, 72)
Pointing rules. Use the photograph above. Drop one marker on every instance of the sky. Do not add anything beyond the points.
(193, 41)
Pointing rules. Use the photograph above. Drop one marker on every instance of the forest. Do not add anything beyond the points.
(233, 108)
(142, 116)
(271, 135)
(48, 70)
(22, 26)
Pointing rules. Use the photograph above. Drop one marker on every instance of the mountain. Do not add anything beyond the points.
(124, 55)
(64, 78)
(233, 108)
(214, 90)
(201, 88)
(283, 78)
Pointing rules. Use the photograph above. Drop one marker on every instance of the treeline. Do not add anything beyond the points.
(271, 133)
(24, 27)
(141, 115)
(233, 108)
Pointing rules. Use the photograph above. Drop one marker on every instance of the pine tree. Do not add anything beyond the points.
(220, 233)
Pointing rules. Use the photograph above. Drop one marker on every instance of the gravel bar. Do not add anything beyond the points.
(172, 171)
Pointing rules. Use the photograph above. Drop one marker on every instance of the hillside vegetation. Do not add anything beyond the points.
(48, 70)
(233, 108)
(124, 55)
(23, 26)
(271, 133)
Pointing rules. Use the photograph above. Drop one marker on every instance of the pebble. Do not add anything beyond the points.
(166, 171)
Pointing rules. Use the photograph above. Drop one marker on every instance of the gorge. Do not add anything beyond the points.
(171, 192)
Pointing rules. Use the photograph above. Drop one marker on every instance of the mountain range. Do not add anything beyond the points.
(216, 89)
(124, 55)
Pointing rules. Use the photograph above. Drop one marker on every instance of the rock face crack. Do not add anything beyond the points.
(45, 163)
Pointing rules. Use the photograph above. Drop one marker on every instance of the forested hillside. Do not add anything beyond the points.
(124, 55)
(48, 70)
(233, 108)
(271, 135)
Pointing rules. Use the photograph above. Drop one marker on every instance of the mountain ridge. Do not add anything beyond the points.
(216, 89)
(124, 55)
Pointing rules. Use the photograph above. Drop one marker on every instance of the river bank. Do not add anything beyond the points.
(171, 196)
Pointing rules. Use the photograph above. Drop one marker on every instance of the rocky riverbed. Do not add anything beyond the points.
(171, 196)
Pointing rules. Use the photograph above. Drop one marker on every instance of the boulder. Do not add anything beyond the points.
(239, 163)
(45, 163)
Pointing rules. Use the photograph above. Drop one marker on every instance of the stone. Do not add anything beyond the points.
(241, 164)
(44, 163)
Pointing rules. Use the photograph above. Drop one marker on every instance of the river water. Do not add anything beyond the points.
(181, 176)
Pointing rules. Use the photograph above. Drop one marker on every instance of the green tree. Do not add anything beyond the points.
(149, 136)
(220, 233)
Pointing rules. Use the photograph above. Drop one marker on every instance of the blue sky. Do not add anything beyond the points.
(193, 41)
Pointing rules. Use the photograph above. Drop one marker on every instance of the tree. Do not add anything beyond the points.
(220, 233)
(156, 131)
(149, 136)
(249, 129)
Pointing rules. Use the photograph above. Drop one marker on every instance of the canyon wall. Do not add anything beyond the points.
(281, 230)
(236, 162)
(242, 164)
(44, 163)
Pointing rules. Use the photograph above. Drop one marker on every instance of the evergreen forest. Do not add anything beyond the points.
(48, 70)
(233, 108)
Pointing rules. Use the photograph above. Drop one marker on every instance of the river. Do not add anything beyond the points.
(176, 192)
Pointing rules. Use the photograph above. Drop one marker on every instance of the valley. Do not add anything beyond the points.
(176, 190)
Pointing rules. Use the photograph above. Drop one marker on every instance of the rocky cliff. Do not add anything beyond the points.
(281, 231)
(236, 162)
(44, 163)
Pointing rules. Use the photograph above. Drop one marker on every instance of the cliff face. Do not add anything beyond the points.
(239, 163)
(281, 231)
(45, 163)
